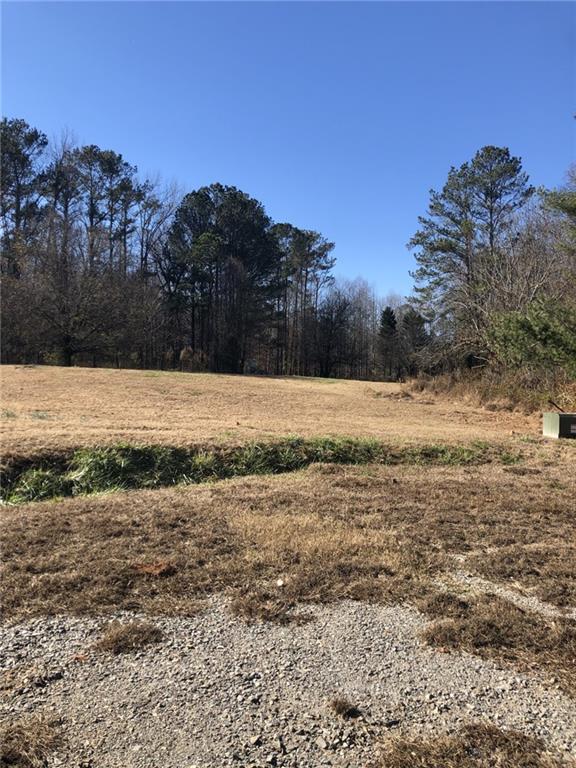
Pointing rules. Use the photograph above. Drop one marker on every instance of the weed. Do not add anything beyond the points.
(448, 455)
(509, 457)
(96, 470)
(8, 414)
(479, 745)
(27, 743)
(38, 485)
(126, 638)
(344, 708)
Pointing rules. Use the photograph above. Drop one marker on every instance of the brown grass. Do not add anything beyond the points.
(548, 570)
(28, 742)
(494, 628)
(479, 745)
(86, 555)
(527, 391)
(263, 605)
(125, 637)
(275, 543)
(344, 708)
(83, 406)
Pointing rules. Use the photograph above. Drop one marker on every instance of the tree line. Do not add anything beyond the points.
(102, 267)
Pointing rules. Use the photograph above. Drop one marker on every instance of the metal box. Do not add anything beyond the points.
(559, 425)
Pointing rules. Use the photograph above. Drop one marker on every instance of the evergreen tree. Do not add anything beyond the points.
(21, 150)
(461, 239)
(225, 254)
(389, 347)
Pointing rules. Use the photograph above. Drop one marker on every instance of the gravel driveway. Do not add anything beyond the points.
(217, 692)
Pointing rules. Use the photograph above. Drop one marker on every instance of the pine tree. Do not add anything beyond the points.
(389, 341)
(461, 239)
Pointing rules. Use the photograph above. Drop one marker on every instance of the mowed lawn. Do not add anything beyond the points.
(51, 408)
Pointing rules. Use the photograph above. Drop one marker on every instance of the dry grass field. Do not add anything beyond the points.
(484, 550)
(50, 408)
(380, 534)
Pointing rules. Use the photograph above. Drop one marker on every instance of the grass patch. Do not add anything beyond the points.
(479, 745)
(95, 470)
(127, 637)
(263, 605)
(28, 742)
(38, 485)
(40, 415)
(270, 543)
(182, 409)
(494, 628)
(528, 390)
(548, 570)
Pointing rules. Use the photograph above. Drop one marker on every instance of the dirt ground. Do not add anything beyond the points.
(46, 408)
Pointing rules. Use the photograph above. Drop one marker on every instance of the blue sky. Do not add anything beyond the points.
(337, 116)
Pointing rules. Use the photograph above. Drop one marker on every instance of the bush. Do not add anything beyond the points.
(125, 466)
(543, 336)
(501, 388)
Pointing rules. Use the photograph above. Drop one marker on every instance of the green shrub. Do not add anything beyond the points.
(126, 466)
(542, 336)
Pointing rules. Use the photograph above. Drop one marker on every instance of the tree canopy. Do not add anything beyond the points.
(100, 266)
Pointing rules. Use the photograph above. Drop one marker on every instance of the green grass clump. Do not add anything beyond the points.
(38, 485)
(122, 467)
(510, 458)
(125, 466)
(450, 455)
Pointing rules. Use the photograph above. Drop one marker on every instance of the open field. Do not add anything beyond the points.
(414, 604)
(50, 408)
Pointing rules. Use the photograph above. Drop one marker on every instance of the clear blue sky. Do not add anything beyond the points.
(337, 116)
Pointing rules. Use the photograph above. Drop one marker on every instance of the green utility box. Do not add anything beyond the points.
(559, 425)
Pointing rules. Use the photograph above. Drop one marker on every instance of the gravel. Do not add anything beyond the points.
(218, 692)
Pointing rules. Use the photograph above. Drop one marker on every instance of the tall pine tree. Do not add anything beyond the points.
(389, 347)
(460, 240)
